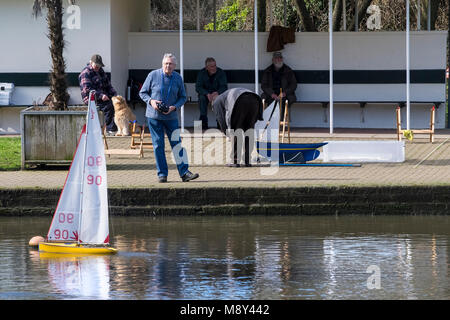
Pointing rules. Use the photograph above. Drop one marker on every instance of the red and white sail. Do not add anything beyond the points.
(82, 211)
(66, 221)
(94, 211)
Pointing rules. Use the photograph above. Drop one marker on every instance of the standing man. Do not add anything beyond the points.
(163, 92)
(278, 76)
(94, 78)
(211, 81)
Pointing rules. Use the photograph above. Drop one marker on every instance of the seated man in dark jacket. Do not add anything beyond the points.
(211, 81)
(94, 78)
(278, 76)
(235, 109)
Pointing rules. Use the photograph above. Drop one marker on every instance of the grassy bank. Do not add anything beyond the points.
(10, 154)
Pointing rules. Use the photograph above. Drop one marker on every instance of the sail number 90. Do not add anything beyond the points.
(61, 234)
(94, 179)
(94, 161)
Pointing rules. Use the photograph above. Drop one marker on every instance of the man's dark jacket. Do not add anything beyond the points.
(288, 82)
(224, 104)
(203, 86)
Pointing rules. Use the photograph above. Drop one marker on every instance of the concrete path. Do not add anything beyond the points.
(130, 172)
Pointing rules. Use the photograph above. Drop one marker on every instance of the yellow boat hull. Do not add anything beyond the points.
(74, 248)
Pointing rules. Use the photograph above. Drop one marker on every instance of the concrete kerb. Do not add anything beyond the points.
(384, 200)
(374, 188)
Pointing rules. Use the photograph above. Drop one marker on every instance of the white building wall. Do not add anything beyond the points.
(25, 49)
(105, 26)
(352, 51)
(121, 12)
(28, 44)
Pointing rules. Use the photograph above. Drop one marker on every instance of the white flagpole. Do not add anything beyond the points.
(256, 48)
(181, 59)
(330, 28)
(408, 103)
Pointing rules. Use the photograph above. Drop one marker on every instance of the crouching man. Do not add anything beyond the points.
(237, 111)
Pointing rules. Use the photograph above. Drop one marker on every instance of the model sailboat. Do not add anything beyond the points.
(270, 149)
(80, 223)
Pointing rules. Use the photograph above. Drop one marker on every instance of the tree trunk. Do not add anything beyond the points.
(337, 15)
(160, 5)
(448, 56)
(261, 15)
(58, 84)
(362, 8)
(434, 4)
(434, 7)
(305, 16)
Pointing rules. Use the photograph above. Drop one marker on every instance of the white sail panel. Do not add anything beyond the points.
(94, 211)
(65, 221)
(268, 129)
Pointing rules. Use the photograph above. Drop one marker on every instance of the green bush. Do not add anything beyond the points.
(231, 17)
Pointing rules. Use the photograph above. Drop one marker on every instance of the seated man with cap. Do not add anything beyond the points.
(94, 78)
(278, 76)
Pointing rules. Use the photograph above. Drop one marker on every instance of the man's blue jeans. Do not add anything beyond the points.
(157, 129)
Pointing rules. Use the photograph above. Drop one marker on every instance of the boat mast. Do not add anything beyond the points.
(91, 98)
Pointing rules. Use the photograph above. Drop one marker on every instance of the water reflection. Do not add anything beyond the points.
(82, 277)
(237, 258)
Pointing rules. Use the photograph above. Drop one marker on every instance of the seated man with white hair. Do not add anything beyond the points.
(279, 77)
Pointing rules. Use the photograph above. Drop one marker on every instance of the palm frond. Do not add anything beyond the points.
(38, 5)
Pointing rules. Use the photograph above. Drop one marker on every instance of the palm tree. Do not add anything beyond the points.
(58, 83)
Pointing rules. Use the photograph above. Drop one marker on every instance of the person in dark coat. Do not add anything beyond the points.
(211, 81)
(235, 109)
(94, 78)
(278, 76)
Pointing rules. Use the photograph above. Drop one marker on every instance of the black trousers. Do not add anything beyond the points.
(203, 103)
(244, 117)
(108, 110)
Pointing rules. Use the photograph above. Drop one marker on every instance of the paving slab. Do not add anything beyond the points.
(425, 164)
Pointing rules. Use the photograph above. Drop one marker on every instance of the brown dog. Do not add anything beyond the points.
(122, 116)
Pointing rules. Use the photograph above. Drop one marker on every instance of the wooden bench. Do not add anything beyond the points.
(285, 122)
(430, 131)
(353, 86)
(138, 136)
(362, 104)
